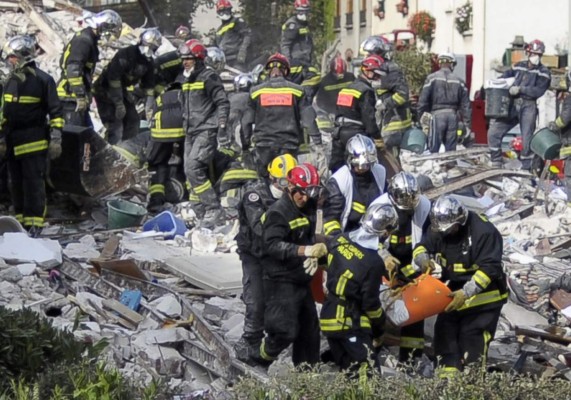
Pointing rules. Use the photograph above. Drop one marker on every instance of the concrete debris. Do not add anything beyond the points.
(26, 269)
(217, 309)
(84, 250)
(11, 274)
(161, 336)
(18, 248)
(165, 360)
(168, 305)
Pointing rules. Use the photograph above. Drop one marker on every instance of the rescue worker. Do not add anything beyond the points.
(181, 35)
(297, 41)
(532, 79)
(356, 110)
(562, 126)
(205, 115)
(255, 202)
(351, 316)
(233, 37)
(353, 187)
(77, 64)
(469, 249)
(279, 111)
(168, 67)
(116, 104)
(290, 261)
(307, 76)
(393, 107)
(166, 134)
(238, 107)
(336, 79)
(27, 139)
(444, 95)
(412, 208)
(215, 59)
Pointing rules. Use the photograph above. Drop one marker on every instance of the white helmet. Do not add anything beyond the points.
(380, 219)
(149, 41)
(243, 82)
(21, 47)
(447, 58)
(361, 151)
(215, 58)
(446, 212)
(106, 22)
(403, 191)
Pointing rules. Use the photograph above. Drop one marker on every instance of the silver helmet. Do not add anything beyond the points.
(243, 82)
(361, 151)
(380, 219)
(106, 22)
(447, 58)
(21, 47)
(404, 191)
(149, 41)
(446, 212)
(377, 45)
(215, 59)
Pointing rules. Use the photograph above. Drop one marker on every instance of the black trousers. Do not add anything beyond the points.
(253, 296)
(118, 130)
(290, 317)
(27, 187)
(461, 338)
(199, 149)
(411, 341)
(73, 117)
(158, 164)
(351, 351)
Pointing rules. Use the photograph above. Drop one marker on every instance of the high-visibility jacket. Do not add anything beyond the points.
(563, 121)
(348, 196)
(356, 108)
(167, 66)
(77, 65)
(307, 76)
(474, 253)
(297, 41)
(394, 94)
(352, 303)
(30, 95)
(329, 88)
(166, 125)
(233, 37)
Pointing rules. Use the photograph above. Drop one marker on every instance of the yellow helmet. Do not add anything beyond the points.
(281, 165)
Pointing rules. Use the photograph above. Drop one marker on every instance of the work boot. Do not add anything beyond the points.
(245, 350)
(213, 218)
(34, 231)
(156, 204)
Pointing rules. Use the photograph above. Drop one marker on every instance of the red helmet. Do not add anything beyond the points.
(372, 63)
(192, 49)
(536, 47)
(280, 61)
(305, 178)
(517, 143)
(223, 5)
(302, 5)
(338, 66)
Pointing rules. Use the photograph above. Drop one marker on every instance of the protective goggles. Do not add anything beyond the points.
(282, 182)
(311, 191)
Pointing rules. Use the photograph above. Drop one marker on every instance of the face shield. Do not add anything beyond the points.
(225, 14)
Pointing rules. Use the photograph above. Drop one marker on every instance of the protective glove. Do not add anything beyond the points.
(380, 106)
(222, 136)
(380, 144)
(515, 90)
(391, 263)
(3, 148)
(553, 127)
(241, 57)
(81, 104)
(458, 300)
(149, 107)
(310, 266)
(54, 149)
(120, 111)
(315, 251)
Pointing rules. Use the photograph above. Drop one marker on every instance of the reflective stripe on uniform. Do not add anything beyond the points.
(398, 99)
(342, 283)
(559, 122)
(407, 342)
(20, 218)
(284, 90)
(447, 372)
(167, 133)
(459, 268)
(193, 86)
(408, 270)
(263, 353)
(127, 154)
(358, 207)
(202, 188)
(239, 174)
(157, 189)
(57, 122)
(225, 28)
(351, 92)
(9, 98)
(397, 125)
(336, 86)
(484, 298)
(418, 251)
(343, 324)
(375, 313)
(32, 147)
(313, 81)
(482, 279)
(331, 226)
(565, 152)
(171, 63)
(298, 223)
(33, 221)
(303, 31)
(395, 239)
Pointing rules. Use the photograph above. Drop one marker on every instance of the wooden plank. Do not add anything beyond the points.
(532, 331)
(123, 311)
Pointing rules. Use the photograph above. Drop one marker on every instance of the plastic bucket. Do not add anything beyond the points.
(166, 222)
(546, 144)
(413, 140)
(124, 214)
(498, 103)
(426, 297)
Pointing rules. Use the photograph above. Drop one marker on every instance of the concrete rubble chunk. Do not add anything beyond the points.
(167, 305)
(19, 248)
(8, 290)
(218, 309)
(232, 322)
(11, 274)
(26, 269)
(165, 360)
(84, 250)
(235, 333)
(161, 337)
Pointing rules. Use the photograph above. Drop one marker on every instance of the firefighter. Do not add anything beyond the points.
(356, 110)
(181, 35)
(255, 202)
(307, 76)
(238, 107)
(233, 37)
(27, 139)
(469, 249)
(290, 261)
(444, 95)
(403, 193)
(166, 135)
(78, 65)
(352, 316)
(393, 106)
(532, 79)
(562, 126)
(336, 79)
(297, 41)
(279, 111)
(168, 67)
(353, 187)
(115, 102)
(205, 115)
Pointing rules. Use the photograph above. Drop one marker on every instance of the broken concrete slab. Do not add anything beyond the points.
(26, 269)
(18, 248)
(82, 251)
(217, 309)
(235, 333)
(165, 360)
(167, 336)
(168, 305)
(11, 274)
(517, 316)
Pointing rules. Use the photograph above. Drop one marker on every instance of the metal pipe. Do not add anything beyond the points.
(148, 11)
